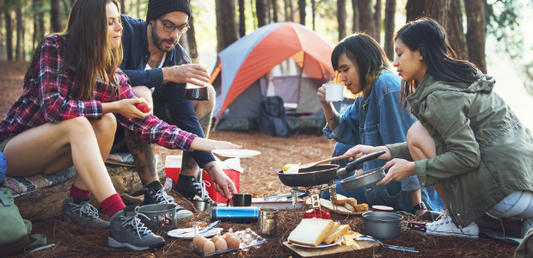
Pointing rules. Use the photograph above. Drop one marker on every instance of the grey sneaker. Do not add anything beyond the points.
(81, 212)
(153, 195)
(129, 233)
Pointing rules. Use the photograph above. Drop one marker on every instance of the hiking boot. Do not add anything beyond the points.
(129, 233)
(82, 213)
(444, 226)
(189, 187)
(155, 194)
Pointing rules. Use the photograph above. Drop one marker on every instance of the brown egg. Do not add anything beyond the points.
(196, 239)
(221, 244)
(209, 247)
(201, 243)
(233, 242)
(227, 236)
(215, 239)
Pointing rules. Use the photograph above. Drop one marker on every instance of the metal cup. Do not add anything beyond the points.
(202, 205)
(267, 222)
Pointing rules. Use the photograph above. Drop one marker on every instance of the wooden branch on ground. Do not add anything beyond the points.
(46, 202)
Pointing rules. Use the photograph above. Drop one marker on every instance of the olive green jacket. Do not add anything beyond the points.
(483, 151)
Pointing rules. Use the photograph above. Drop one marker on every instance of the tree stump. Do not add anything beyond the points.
(46, 202)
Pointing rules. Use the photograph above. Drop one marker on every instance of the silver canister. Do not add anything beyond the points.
(267, 222)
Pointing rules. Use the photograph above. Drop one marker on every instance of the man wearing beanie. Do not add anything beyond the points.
(158, 69)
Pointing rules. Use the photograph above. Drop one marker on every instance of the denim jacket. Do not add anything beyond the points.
(135, 58)
(377, 119)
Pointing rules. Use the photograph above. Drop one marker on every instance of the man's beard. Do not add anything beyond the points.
(159, 41)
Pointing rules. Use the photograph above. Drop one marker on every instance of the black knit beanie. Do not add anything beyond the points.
(157, 8)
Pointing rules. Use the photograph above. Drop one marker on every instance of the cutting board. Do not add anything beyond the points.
(334, 251)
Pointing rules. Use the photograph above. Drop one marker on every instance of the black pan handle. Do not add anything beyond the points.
(353, 165)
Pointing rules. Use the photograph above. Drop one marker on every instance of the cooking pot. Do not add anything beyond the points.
(322, 174)
(158, 217)
(381, 224)
(359, 180)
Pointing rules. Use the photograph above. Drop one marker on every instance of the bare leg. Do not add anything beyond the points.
(204, 112)
(53, 147)
(142, 152)
(421, 146)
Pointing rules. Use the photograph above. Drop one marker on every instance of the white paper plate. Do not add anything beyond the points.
(236, 153)
(177, 233)
(321, 245)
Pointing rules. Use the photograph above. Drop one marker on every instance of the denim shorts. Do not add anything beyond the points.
(517, 205)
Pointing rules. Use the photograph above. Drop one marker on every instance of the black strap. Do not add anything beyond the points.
(420, 206)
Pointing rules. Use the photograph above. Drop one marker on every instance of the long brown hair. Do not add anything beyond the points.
(442, 63)
(87, 47)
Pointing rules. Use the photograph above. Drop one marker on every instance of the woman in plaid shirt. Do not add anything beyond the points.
(73, 95)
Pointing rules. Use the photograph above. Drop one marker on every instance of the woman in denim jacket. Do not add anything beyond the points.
(375, 118)
(467, 142)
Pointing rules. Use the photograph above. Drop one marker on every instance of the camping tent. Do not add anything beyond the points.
(241, 66)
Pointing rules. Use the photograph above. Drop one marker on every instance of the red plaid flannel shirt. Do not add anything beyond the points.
(48, 99)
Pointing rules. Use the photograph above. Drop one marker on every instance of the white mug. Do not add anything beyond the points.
(334, 92)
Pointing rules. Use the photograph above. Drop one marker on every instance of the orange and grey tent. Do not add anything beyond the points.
(245, 61)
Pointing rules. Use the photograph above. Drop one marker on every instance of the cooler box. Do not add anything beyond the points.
(232, 168)
(173, 168)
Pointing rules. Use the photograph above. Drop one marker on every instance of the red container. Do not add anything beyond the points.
(173, 168)
(317, 213)
(234, 175)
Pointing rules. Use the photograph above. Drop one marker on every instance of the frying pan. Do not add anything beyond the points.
(359, 180)
(322, 174)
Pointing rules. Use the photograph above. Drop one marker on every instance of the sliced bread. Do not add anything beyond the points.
(338, 233)
(341, 200)
(311, 232)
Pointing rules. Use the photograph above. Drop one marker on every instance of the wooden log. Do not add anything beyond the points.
(46, 203)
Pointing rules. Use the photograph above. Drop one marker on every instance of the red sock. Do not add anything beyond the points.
(112, 204)
(76, 192)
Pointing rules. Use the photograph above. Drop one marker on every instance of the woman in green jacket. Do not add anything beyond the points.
(467, 143)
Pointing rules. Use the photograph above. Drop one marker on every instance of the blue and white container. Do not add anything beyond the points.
(237, 214)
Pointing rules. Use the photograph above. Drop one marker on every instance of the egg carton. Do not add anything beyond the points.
(247, 239)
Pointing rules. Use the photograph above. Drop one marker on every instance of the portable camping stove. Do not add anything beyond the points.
(316, 211)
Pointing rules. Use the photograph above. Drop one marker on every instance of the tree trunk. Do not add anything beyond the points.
(122, 6)
(9, 32)
(456, 36)
(47, 201)
(191, 39)
(377, 19)
(56, 17)
(262, 12)
(19, 48)
(274, 10)
(226, 24)
(242, 19)
(291, 11)
(390, 11)
(475, 36)
(313, 8)
(356, 25)
(301, 7)
(366, 17)
(341, 18)
(2, 38)
(436, 9)
(253, 14)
